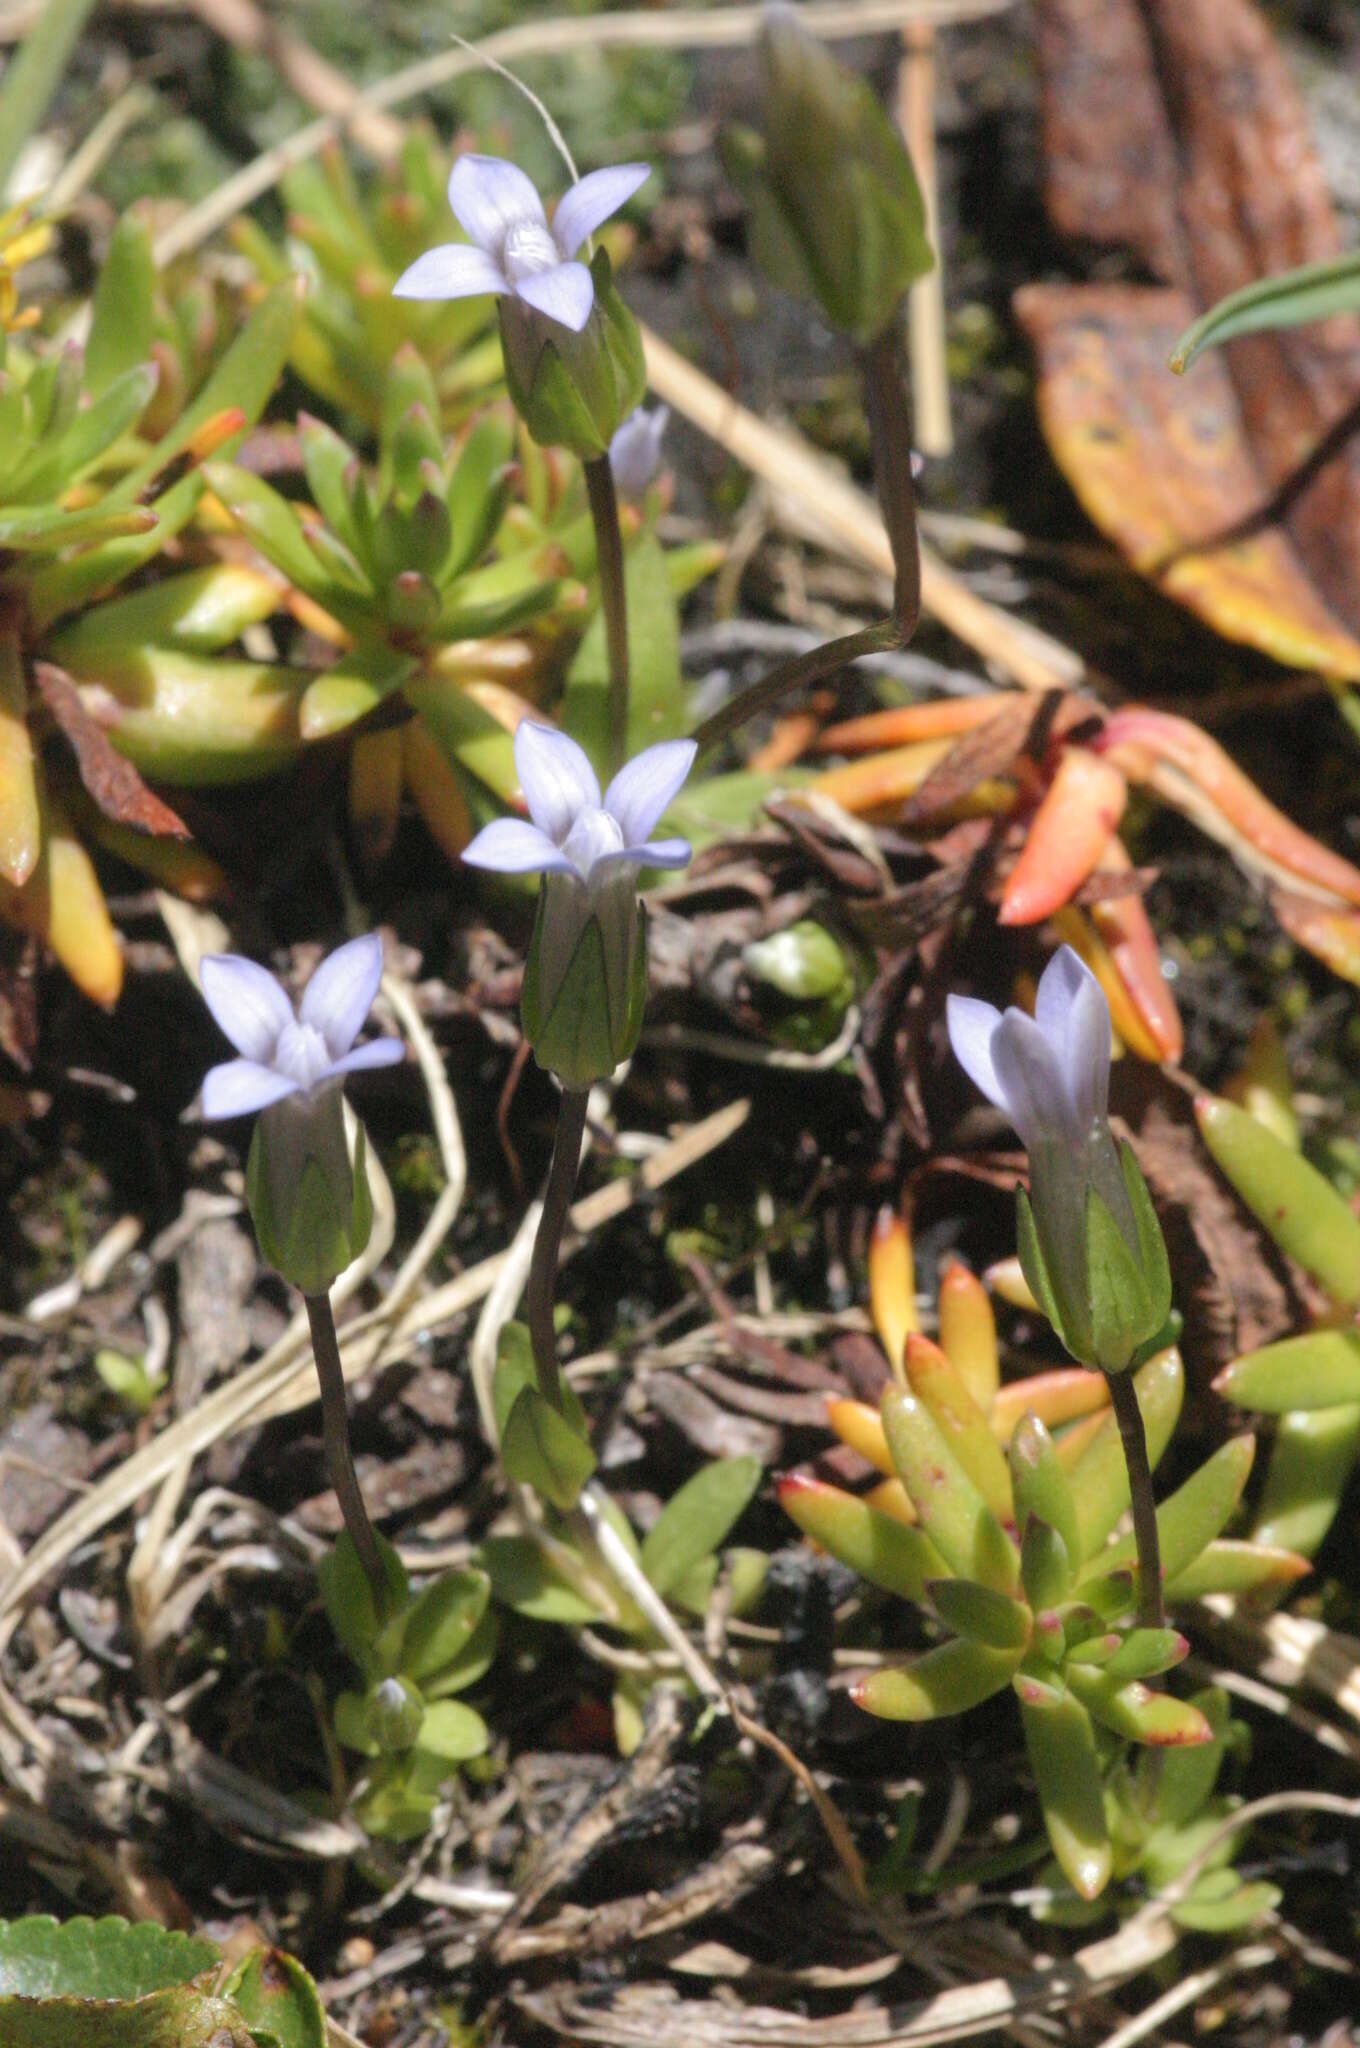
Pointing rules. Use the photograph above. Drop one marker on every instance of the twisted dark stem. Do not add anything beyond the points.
(604, 512)
(566, 1160)
(335, 1434)
(1151, 1612)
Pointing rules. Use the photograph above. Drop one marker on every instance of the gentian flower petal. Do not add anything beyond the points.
(645, 785)
(565, 294)
(1074, 1016)
(635, 449)
(246, 1001)
(455, 270)
(971, 1026)
(514, 847)
(555, 775)
(1033, 1083)
(378, 1052)
(490, 196)
(594, 837)
(590, 203)
(340, 994)
(241, 1087)
(666, 853)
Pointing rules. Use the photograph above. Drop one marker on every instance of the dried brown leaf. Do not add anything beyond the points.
(109, 776)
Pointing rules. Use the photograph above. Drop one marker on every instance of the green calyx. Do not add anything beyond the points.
(1123, 1299)
(836, 211)
(308, 1199)
(585, 983)
(574, 390)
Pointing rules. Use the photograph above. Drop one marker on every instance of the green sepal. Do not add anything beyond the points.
(1152, 1256)
(983, 1616)
(574, 390)
(309, 1202)
(1035, 1269)
(1061, 1746)
(1121, 1309)
(949, 1680)
(590, 1022)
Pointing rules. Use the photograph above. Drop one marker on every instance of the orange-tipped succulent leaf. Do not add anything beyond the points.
(968, 1331)
(1069, 832)
(892, 1285)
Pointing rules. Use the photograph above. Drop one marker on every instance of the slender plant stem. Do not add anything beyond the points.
(885, 401)
(335, 1431)
(566, 1160)
(799, 674)
(604, 511)
(1151, 1612)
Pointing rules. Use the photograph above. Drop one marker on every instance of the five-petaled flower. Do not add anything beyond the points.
(283, 1053)
(306, 1188)
(511, 250)
(585, 977)
(1088, 1237)
(635, 449)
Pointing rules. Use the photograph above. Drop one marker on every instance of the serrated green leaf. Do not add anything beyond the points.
(179, 2018)
(109, 1958)
(697, 1519)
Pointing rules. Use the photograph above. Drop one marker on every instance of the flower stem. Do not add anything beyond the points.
(335, 1435)
(566, 1160)
(604, 511)
(1151, 1613)
(885, 401)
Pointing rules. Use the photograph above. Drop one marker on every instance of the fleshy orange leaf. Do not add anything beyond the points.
(1069, 832)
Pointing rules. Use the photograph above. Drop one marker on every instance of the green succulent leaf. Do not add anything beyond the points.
(881, 1549)
(1311, 1460)
(1045, 1571)
(1304, 1214)
(953, 1512)
(656, 700)
(983, 1616)
(949, 1680)
(1171, 1786)
(1196, 1513)
(1062, 1754)
(1318, 1370)
(1133, 1710)
(1040, 1486)
(1146, 1653)
(1223, 1903)
(1227, 1566)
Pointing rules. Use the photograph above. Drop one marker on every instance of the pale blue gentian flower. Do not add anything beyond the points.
(1089, 1240)
(635, 449)
(511, 250)
(307, 1191)
(586, 973)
